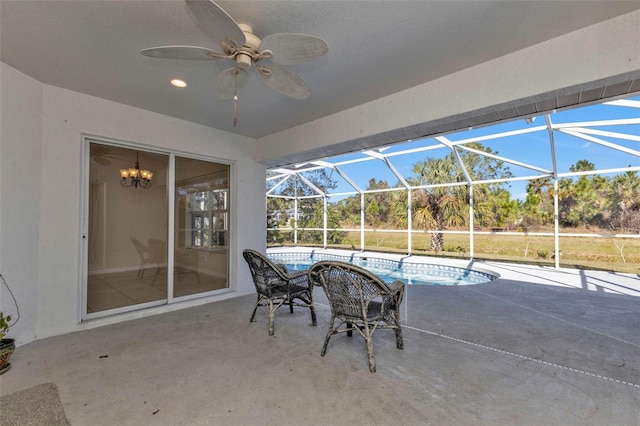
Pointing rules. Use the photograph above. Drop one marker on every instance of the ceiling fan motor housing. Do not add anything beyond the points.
(246, 53)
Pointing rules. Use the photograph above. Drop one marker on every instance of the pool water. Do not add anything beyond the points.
(389, 270)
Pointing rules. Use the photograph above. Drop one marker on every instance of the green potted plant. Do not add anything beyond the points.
(7, 346)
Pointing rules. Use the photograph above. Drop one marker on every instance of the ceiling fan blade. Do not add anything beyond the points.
(182, 52)
(290, 48)
(284, 81)
(229, 82)
(215, 23)
(101, 160)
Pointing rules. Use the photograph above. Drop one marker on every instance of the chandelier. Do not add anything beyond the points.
(135, 177)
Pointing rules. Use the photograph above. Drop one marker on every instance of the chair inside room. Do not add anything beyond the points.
(275, 287)
(157, 256)
(186, 262)
(143, 253)
(360, 301)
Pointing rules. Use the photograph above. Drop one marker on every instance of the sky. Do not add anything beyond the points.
(530, 148)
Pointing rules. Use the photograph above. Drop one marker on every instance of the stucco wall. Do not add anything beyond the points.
(20, 150)
(41, 184)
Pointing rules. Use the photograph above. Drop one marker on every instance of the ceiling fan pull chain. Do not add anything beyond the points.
(235, 110)
(235, 97)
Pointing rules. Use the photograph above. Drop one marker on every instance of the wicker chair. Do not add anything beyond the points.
(359, 299)
(275, 287)
(143, 253)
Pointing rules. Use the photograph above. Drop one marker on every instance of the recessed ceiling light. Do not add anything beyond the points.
(178, 83)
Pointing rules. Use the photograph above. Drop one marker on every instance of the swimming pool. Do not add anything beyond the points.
(390, 270)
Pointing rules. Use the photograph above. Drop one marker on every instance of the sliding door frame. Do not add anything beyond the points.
(84, 246)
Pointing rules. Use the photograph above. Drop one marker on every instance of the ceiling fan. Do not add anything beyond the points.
(102, 154)
(238, 43)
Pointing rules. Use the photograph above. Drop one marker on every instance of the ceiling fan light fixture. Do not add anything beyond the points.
(244, 60)
(178, 83)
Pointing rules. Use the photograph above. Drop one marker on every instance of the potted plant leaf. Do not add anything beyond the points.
(7, 346)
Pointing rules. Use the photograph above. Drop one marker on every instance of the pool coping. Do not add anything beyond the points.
(599, 281)
(390, 264)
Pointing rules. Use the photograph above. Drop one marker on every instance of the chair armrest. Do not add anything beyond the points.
(396, 292)
(396, 286)
(300, 278)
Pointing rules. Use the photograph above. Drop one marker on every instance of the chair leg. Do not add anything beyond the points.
(272, 315)
(398, 331)
(329, 333)
(399, 341)
(314, 322)
(311, 306)
(158, 272)
(255, 308)
(369, 343)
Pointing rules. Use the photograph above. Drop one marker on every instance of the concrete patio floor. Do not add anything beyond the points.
(509, 352)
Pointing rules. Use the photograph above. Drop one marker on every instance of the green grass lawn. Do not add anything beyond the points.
(576, 252)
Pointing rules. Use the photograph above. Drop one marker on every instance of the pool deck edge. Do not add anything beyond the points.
(599, 281)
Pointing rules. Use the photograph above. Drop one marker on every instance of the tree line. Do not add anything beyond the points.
(587, 201)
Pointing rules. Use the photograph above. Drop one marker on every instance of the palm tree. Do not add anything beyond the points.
(399, 209)
(539, 204)
(440, 206)
(626, 197)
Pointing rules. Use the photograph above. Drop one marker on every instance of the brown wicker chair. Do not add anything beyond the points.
(359, 299)
(275, 287)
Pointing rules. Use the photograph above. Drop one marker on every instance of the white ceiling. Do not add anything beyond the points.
(375, 48)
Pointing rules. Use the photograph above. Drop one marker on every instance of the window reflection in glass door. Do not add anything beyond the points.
(201, 227)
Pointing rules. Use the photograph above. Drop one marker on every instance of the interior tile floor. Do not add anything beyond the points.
(509, 352)
(119, 289)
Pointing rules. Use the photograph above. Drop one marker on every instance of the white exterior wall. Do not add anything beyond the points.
(594, 53)
(20, 150)
(41, 178)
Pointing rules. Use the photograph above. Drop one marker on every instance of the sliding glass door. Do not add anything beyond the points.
(130, 261)
(127, 232)
(201, 254)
